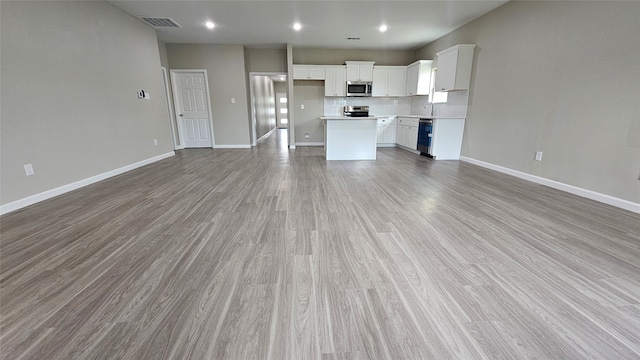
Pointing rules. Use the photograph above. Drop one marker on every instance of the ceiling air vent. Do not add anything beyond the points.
(160, 22)
(353, 38)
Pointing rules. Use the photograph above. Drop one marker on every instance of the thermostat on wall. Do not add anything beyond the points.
(143, 95)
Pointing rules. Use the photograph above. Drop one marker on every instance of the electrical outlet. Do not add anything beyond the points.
(28, 169)
(302, 106)
(233, 100)
(155, 142)
(538, 156)
(307, 135)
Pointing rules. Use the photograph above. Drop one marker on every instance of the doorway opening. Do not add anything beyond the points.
(269, 104)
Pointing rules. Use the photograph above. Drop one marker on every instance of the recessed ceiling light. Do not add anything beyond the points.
(382, 28)
(209, 24)
(296, 26)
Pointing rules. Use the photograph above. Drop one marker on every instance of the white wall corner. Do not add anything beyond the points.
(45, 195)
(589, 194)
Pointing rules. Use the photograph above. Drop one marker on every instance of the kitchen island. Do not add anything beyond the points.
(350, 138)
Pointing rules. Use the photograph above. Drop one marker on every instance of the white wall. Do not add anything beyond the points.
(307, 120)
(225, 65)
(265, 104)
(70, 75)
(339, 56)
(559, 77)
(266, 60)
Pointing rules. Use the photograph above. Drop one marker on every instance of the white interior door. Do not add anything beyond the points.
(282, 115)
(191, 98)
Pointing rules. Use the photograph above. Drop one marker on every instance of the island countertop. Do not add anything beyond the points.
(338, 117)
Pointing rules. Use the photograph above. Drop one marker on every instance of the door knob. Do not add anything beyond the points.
(181, 114)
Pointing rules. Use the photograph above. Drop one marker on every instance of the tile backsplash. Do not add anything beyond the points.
(377, 106)
(455, 107)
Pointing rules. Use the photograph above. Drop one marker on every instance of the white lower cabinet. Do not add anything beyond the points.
(446, 142)
(386, 132)
(407, 132)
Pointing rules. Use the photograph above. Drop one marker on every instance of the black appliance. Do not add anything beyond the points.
(355, 111)
(425, 134)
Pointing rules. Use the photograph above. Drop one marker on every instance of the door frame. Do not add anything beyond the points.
(172, 120)
(174, 72)
(252, 101)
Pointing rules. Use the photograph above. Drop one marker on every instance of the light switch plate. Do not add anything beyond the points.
(28, 169)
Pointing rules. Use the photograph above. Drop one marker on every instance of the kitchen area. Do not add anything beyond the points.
(359, 106)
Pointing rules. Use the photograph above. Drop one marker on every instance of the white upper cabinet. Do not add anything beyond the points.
(454, 68)
(359, 70)
(389, 80)
(308, 72)
(335, 83)
(418, 78)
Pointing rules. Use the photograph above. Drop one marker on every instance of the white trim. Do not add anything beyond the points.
(239, 146)
(265, 135)
(209, 110)
(408, 149)
(589, 194)
(385, 145)
(172, 121)
(292, 147)
(309, 144)
(45, 195)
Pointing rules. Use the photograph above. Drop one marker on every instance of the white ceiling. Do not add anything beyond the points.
(326, 24)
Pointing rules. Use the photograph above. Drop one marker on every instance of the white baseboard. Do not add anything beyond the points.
(239, 146)
(386, 145)
(589, 194)
(310, 144)
(408, 149)
(45, 195)
(266, 135)
(292, 147)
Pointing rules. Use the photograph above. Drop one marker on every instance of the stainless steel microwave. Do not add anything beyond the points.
(359, 88)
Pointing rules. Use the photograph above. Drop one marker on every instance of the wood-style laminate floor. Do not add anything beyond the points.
(275, 254)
